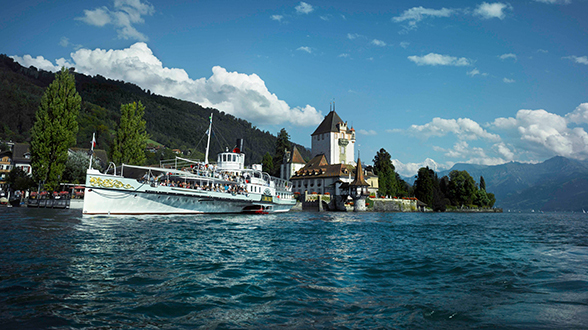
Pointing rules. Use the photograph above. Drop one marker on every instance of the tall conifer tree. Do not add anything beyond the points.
(282, 145)
(482, 183)
(267, 163)
(131, 137)
(55, 129)
(385, 171)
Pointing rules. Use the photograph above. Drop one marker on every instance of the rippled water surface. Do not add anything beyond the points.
(297, 270)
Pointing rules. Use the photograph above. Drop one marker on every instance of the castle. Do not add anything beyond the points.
(333, 148)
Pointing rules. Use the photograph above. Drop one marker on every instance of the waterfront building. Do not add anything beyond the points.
(291, 163)
(333, 164)
(320, 177)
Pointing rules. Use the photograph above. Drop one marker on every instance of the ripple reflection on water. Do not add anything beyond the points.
(297, 270)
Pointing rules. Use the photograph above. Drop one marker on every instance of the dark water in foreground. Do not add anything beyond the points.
(298, 270)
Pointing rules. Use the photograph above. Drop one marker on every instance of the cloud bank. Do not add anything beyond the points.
(530, 135)
(242, 95)
(549, 134)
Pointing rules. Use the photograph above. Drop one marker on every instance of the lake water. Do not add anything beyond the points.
(296, 270)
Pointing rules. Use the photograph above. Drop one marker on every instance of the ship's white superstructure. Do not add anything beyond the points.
(187, 187)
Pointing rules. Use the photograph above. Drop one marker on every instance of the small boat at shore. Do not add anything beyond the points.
(187, 187)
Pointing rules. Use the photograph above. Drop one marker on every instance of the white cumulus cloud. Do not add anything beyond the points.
(548, 133)
(492, 10)
(366, 132)
(411, 169)
(463, 128)
(438, 59)
(304, 8)
(506, 56)
(555, 2)
(416, 14)
(579, 115)
(474, 72)
(305, 49)
(40, 62)
(242, 95)
(124, 15)
(352, 36)
(504, 151)
(378, 43)
(578, 59)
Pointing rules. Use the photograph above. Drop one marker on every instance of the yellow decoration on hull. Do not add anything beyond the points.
(108, 183)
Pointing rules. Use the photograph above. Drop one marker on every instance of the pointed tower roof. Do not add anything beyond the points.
(297, 157)
(329, 124)
(359, 180)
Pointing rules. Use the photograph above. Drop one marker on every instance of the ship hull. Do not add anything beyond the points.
(112, 195)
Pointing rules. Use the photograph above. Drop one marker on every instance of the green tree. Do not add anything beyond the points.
(282, 145)
(462, 188)
(482, 183)
(491, 199)
(267, 163)
(131, 137)
(389, 182)
(481, 198)
(425, 183)
(76, 165)
(427, 188)
(55, 129)
(19, 179)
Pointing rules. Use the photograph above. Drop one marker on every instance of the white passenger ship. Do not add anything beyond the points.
(187, 187)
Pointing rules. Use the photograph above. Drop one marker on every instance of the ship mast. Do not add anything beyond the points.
(208, 143)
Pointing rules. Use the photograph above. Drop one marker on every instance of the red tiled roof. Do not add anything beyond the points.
(297, 157)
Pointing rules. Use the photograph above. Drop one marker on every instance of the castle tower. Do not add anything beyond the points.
(333, 139)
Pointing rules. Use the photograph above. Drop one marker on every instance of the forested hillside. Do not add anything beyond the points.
(174, 123)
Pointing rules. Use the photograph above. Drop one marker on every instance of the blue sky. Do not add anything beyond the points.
(432, 82)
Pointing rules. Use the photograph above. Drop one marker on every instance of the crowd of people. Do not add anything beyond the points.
(236, 188)
(231, 188)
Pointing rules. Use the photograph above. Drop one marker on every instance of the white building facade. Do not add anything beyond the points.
(335, 140)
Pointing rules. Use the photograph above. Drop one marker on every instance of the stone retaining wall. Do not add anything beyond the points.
(394, 205)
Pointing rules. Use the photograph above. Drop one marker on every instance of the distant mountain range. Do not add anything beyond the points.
(557, 184)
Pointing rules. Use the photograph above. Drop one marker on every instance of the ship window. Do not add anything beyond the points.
(224, 158)
(234, 158)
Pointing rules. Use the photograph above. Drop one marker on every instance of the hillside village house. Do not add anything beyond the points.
(21, 157)
(5, 166)
(18, 157)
